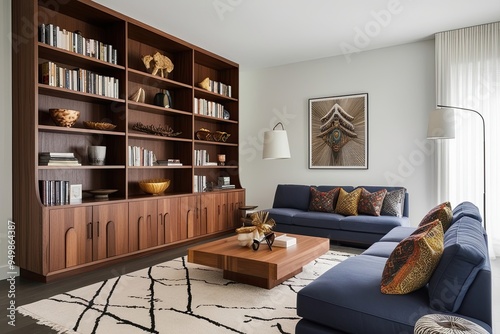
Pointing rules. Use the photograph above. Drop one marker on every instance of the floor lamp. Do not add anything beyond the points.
(442, 126)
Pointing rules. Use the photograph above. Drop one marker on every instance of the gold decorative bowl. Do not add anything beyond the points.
(64, 117)
(154, 186)
(98, 125)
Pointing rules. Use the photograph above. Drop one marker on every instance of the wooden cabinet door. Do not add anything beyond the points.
(143, 225)
(70, 237)
(235, 200)
(189, 217)
(169, 220)
(208, 213)
(110, 226)
(213, 208)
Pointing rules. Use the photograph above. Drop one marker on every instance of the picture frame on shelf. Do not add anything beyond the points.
(75, 193)
(338, 132)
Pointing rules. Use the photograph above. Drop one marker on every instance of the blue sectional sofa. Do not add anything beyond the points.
(292, 215)
(348, 299)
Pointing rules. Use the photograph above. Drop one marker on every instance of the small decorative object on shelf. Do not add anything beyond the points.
(163, 99)
(226, 114)
(220, 136)
(204, 134)
(159, 130)
(222, 159)
(158, 63)
(138, 96)
(98, 125)
(205, 83)
(102, 194)
(96, 155)
(64, 117)
(154, 186)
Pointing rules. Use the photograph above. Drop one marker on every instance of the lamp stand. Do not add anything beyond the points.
(484, 155)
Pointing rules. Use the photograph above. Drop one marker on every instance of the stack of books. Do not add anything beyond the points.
(66, 159)
(284, 241)
(170, 162)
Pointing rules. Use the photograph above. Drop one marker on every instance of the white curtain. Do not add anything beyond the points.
(468, 76)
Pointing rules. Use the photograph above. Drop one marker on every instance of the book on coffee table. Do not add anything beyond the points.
(284, 241)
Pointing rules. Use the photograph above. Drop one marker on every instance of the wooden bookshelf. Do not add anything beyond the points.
(58, 241)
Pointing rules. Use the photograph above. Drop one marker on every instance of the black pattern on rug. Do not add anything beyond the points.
(178, 297)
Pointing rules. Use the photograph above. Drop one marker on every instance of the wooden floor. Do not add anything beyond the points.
(29, 291)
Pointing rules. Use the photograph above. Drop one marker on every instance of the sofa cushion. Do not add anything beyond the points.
(348, 299)
(283, 215)
(381, 249)
(347, 204)
(465, 253)
(370, 203)
(370, 224)
(323, 201)
(314, 219)
(411, 264)
(442, 212)
(292, 196)
(398, 233)
(466, 209)
(394, 203)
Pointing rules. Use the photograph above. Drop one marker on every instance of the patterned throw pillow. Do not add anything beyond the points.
(443, 212)
(371, 203)
(412, 262)
(323, 201)
(394, 203)
(347, 204)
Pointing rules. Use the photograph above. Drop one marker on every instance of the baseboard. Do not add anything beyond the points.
(5, 272)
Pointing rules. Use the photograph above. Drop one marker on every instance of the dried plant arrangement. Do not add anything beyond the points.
(159, 130)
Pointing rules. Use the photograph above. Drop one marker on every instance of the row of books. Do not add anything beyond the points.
(202, 158)
(200, 183)
(219, 88)
(208, 108)
(78, 79)
(139, 156)
(54, 192)
(58, 159)
(74, 41)
(170, 162)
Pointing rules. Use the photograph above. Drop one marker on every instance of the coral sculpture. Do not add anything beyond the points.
(158, 63)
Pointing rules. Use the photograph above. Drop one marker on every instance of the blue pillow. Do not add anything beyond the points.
(465, 253)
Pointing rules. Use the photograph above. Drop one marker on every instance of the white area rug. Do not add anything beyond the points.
(178, 297)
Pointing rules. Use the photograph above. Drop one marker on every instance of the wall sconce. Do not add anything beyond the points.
(276, 144)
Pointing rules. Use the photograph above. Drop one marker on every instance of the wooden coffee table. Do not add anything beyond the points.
(263, 268)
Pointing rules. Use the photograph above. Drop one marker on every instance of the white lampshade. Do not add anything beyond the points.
(276, 145)
(441, 124)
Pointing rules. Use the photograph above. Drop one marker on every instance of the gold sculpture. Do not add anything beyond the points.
(158, 63)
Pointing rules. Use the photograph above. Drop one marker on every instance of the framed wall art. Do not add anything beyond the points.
(338, 132)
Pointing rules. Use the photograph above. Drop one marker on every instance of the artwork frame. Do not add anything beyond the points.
(338, 132)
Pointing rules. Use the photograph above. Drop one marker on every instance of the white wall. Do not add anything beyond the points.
(400, 86)
(6, 133)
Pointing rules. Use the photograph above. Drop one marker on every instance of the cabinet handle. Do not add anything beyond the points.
(218, 209)
(165, 218)
(98, 229)
(89, 230)
(160, 218)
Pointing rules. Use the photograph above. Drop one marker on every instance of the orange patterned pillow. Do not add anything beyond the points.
(443, 212)
(347, 204)
(412, 262)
